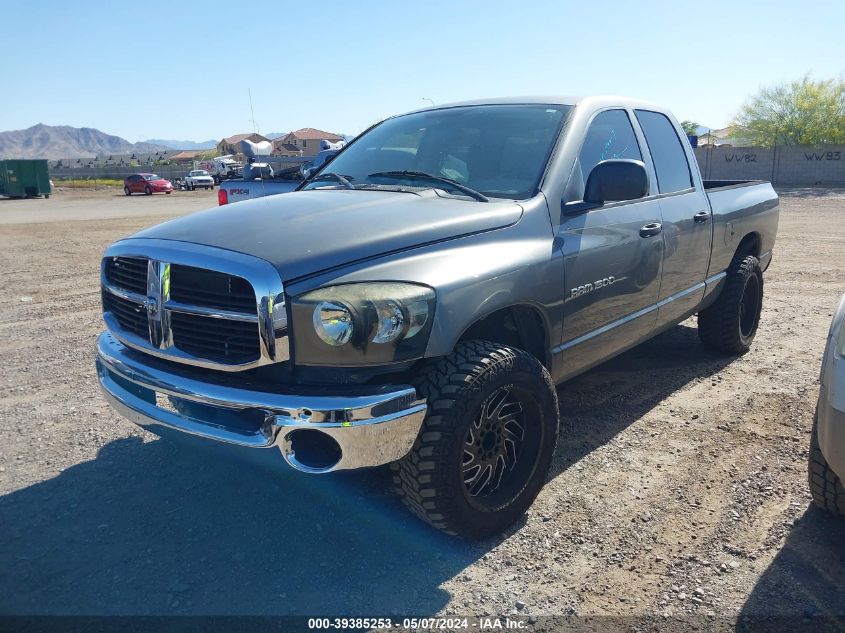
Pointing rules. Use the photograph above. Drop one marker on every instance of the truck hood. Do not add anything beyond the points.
(306, 232)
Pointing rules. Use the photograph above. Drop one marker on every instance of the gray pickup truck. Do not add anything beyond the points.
(290, 179)
(418, 299)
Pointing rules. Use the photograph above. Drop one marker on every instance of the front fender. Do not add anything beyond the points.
(473, 276)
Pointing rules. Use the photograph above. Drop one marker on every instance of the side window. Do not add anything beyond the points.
(610, 135)
(667, 152)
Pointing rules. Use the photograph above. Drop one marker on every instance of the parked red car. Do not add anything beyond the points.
(146, 184)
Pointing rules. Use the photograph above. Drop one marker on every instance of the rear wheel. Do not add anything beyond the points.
(825, 487)
(126, 191)
(148, 191)
(729, 325)
(486, 445)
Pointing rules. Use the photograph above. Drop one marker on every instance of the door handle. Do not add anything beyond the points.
(701, 216)
(653, 228)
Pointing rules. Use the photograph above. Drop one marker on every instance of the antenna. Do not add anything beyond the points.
(252, 113)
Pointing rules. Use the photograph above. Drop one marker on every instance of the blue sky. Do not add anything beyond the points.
(181, 70)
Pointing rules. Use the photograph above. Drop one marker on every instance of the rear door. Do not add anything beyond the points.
(611, 264)
(687, 225)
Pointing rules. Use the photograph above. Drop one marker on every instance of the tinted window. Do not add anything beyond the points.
(499, 150)
(667, 153)
(610, 135)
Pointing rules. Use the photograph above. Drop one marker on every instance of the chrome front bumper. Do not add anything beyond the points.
(370, 428)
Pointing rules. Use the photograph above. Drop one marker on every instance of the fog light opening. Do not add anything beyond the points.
(311, 451)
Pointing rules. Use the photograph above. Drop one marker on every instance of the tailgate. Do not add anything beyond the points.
(238, 190)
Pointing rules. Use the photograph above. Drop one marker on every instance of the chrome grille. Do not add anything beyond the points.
(195, 304)
(211, 289)
(224, 341)
(129, 273)
(132, 316)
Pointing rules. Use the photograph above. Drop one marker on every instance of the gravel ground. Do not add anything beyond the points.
(678, 488)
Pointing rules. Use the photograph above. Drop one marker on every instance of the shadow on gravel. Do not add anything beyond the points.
(598, 405)
(165, 528)
(188, 526)
(804, 587)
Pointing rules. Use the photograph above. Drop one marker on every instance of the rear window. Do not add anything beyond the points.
(667, 152)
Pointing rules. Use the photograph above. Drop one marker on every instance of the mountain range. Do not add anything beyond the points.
(174, 144)
(64, 141)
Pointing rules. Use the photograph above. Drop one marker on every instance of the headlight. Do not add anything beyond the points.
(362, 323)
(333, 323)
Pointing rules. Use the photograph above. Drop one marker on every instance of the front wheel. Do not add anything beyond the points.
(126, 191)
(826, 488)
(148, 191)
(486, 445)
(729, 325)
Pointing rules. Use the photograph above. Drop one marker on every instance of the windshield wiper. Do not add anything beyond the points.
(421, 175)
(330, 175)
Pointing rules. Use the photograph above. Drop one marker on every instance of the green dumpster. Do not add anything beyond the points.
(24, 178)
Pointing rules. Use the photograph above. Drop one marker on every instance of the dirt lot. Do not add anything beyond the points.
(679, 484)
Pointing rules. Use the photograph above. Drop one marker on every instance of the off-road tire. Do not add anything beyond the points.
(825, 487)
(722, 326)
(430, 479)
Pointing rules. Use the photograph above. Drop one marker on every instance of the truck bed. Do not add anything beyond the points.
(710, 185)
(741, 208)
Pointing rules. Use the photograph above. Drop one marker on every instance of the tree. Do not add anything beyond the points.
(690, 127)
(801, 112)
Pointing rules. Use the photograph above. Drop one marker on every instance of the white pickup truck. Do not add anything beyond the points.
(198, 178)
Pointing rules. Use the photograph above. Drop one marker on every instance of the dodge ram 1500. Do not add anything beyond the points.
(416, 302)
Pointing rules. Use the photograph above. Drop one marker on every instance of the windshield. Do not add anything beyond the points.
(152, 177)
(499, 151)
(199, 172)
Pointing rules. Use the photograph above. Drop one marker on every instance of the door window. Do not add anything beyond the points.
(610, 135)
(667, 152)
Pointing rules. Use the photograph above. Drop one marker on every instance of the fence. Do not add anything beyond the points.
(171, 172)
(118, 173)
(783, 165)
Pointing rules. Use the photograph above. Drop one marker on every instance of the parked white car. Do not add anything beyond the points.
(827, 446)
(199, 178)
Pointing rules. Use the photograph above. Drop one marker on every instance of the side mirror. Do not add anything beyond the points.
(616, 179)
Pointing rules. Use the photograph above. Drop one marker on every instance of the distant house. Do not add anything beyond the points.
(724, 137)
(285, 149)
(229, 145)
(186, 157)
(308, 140)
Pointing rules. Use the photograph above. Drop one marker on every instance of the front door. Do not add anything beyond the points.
(612, 257)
